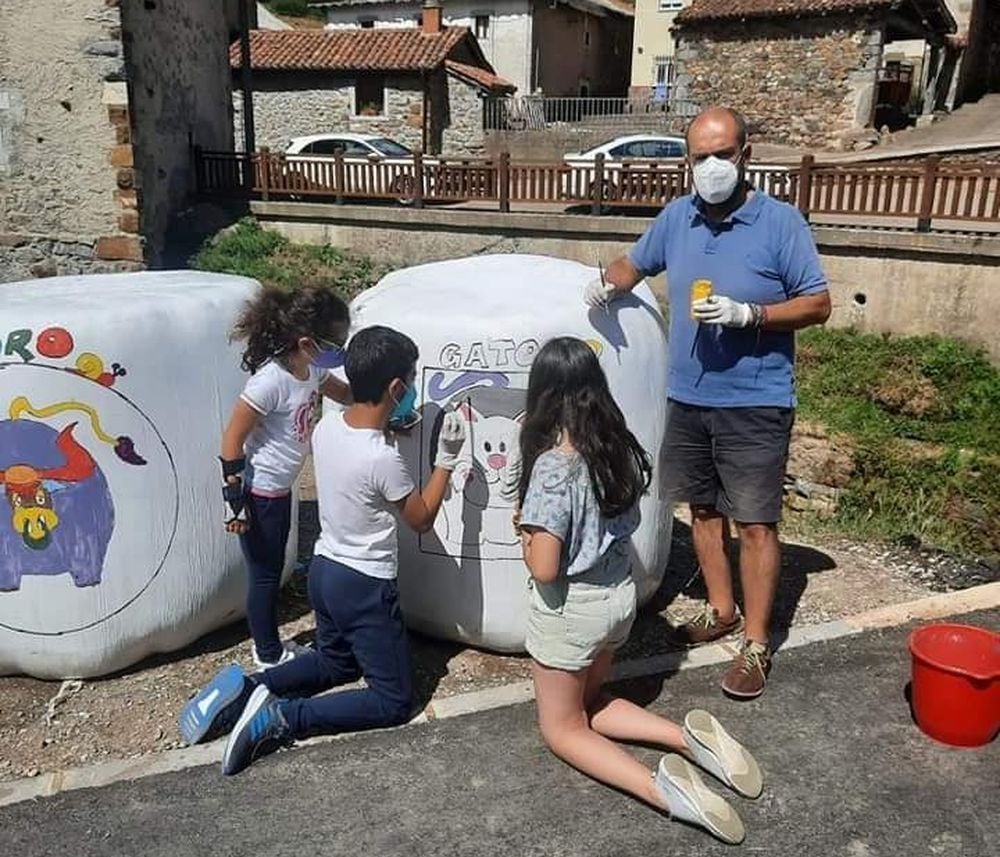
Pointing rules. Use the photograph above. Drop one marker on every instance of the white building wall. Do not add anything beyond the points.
(507, 45)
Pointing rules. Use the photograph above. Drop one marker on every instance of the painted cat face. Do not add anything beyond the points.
(490, 441)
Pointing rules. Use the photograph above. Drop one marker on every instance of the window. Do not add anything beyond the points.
(332, 146)
(660, 149)
(663, 78)
(369, 96)
(663, 71)
(367, 23)
(670, 5)
(482, 27)
(389, 148)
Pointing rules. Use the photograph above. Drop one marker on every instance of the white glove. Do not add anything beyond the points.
(598, 293)
(718, 309)
(511, 480)
(450, 440)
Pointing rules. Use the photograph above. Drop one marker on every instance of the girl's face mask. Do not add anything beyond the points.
(329, 355)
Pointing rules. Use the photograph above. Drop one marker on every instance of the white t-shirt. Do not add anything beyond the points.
(278, 444)
(360, 476)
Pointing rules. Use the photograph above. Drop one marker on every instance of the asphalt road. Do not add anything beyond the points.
(847, 774)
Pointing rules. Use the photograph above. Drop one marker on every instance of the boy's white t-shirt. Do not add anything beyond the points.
(360, 476)
(278, 444)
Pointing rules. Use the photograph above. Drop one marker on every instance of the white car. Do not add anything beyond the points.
(578, 180)
(644, 150)
(310, 159)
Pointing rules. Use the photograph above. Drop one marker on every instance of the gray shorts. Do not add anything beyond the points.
(571, 621)
(732, 459)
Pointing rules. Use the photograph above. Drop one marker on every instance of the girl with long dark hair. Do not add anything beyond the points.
(582, 474)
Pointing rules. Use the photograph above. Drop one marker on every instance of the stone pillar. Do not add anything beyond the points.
(863, 81)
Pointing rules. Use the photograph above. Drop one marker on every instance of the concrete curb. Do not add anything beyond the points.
(984, 597)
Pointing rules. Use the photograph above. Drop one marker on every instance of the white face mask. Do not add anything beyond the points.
(715, 179)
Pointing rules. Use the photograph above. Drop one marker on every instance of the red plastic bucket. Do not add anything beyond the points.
(956, 683)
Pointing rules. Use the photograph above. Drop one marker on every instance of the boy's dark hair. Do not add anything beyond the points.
(375, 356)
(276, 319)
(568, 392)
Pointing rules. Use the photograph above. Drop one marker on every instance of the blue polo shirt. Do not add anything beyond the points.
(762, 253)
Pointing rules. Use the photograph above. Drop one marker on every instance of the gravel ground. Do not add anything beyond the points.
(46, 726)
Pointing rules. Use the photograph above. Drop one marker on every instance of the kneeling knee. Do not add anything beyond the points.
(396, 711)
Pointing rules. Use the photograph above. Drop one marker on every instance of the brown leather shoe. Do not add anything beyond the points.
(706, 627)
(748, 674)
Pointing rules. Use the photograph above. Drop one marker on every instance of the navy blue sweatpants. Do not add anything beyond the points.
(264, 551)
(359, 632)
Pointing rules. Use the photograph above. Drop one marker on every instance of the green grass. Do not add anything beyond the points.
(922, 414)
(271, 258)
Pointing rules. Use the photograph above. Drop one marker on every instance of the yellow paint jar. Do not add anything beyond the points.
(700, 289)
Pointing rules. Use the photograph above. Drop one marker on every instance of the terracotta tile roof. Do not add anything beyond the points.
(403, 49)
(479, 76)
(709, 10)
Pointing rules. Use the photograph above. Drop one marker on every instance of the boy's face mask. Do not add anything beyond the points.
(403, 415)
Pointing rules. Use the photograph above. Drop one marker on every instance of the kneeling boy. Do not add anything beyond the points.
(362, 484)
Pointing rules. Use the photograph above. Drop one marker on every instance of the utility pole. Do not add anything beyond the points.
(246, 85)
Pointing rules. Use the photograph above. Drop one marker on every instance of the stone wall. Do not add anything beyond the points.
(463, 132)
(297, 105)
(64, 181)
(100, 104)
(894, 282)
(179, 88)
(801, 81)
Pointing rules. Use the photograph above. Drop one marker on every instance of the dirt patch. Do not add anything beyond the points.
(905, 390)
(134, 712)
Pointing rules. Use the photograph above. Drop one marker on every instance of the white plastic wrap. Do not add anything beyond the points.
(478, 323)
(114, 390)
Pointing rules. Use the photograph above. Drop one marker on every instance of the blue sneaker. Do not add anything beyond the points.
(261, 729)
(214, 709)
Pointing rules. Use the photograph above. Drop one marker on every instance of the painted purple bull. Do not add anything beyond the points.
(59, 516)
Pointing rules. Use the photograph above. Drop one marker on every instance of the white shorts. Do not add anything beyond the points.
(571, 621)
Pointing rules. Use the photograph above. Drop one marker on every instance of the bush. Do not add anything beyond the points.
(271, 258)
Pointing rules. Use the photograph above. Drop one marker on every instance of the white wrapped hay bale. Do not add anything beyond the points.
(478, 323)
(113, 394)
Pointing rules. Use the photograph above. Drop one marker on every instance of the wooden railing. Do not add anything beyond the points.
(918, 196)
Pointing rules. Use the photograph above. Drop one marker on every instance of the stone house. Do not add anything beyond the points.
(422, 87)
(558, 47)
(803, 73)
(101, 102)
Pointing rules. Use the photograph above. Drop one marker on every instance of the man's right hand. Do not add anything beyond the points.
(598, 293)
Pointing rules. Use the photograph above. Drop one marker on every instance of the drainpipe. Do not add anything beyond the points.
(424, 112)
(246, 83)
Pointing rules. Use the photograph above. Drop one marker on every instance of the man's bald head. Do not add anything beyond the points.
(714, 129)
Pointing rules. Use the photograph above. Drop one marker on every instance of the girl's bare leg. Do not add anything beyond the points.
(623, 720)
(567, 733)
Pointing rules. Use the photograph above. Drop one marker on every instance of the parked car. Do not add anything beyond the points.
(641, 151)
(308, 157)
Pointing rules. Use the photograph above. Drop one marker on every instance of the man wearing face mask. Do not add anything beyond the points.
(743, 275)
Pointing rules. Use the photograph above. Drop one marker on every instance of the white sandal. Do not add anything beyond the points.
(690, 800)
(719, 753)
